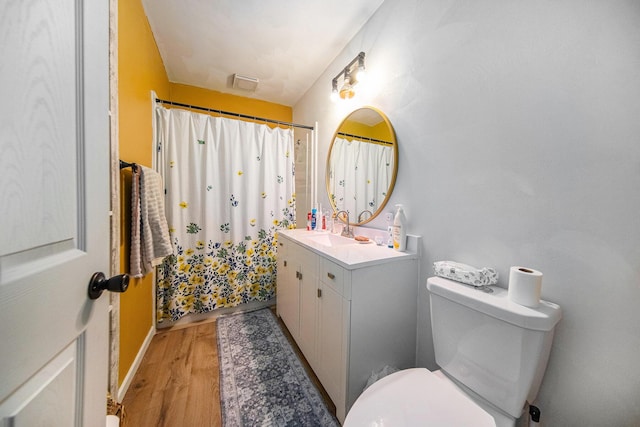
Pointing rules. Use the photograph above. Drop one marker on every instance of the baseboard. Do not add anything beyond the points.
(122, 390)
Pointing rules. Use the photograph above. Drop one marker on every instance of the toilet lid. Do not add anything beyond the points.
(415, 397)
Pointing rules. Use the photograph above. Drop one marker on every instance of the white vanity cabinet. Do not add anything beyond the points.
(308, 306)
(333, 330)
(356, 310)
(296, 293)
(288, 288)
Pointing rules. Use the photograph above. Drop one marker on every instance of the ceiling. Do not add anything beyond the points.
(285, 44)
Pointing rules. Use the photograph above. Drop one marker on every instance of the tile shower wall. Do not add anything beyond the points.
(302, 149)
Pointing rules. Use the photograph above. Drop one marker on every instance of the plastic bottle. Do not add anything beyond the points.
(309, 221)
(319, 220)
(389, 232)
(313, 219)
(400, 230)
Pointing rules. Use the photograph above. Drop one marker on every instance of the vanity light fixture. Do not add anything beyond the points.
(351, 74)
(346, 91)
(334, 90)
(361, 68)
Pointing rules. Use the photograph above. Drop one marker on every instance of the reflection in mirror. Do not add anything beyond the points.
(362, 164)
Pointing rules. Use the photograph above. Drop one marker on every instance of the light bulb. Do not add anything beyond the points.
(347, 91)
(361, 76)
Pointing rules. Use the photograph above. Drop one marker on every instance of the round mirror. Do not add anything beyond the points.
(362, 164)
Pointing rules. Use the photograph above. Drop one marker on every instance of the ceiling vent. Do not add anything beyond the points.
(244, 82)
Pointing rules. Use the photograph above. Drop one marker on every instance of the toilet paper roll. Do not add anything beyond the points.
(113, 421)
(525, 286)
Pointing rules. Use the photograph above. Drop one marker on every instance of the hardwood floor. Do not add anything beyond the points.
(177, 383)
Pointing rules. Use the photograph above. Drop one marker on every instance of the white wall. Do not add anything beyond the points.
(519, 132)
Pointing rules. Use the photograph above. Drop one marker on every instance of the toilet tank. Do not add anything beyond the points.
(493, 346)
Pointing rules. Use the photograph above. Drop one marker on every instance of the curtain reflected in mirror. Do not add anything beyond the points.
(362, 165)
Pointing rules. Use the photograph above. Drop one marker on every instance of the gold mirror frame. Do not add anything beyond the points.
(362, 125)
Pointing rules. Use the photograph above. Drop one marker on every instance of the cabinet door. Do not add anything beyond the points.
(288, 287)
(308, 304)
(331, 349)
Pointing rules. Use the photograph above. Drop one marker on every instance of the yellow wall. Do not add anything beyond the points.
(222, 101)
(140, 70)
(379, 131)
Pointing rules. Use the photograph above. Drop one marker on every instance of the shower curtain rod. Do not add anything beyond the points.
(243, 116)
(364, 138)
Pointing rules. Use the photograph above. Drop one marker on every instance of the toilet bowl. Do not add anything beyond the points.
(492, 355)
(419, 397)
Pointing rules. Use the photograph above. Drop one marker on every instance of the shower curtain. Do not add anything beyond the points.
(229, 188)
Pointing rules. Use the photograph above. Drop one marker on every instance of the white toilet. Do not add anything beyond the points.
(492, 353)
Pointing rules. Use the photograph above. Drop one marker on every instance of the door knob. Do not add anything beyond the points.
(99, 283)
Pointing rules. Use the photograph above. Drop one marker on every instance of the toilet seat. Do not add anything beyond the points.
(414, 397)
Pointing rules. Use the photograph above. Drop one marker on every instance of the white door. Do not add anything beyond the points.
(54, 195)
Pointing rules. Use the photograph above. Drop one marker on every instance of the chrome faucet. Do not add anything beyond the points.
(366, 211)
(346, 230)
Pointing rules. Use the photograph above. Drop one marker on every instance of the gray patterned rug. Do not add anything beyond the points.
(262, 381)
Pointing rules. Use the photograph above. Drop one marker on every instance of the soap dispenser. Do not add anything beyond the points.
(400, 230)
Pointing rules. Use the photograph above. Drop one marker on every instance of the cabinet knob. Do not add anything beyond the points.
(319, 293)
(285, 263)
(331, 276)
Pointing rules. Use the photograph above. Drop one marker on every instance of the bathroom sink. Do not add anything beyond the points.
(346, 252)
(329, 240)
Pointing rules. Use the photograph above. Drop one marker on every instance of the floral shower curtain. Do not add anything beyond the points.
(229, 188)
(360, 173)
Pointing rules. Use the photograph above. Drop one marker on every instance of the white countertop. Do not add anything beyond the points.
(346, 252)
